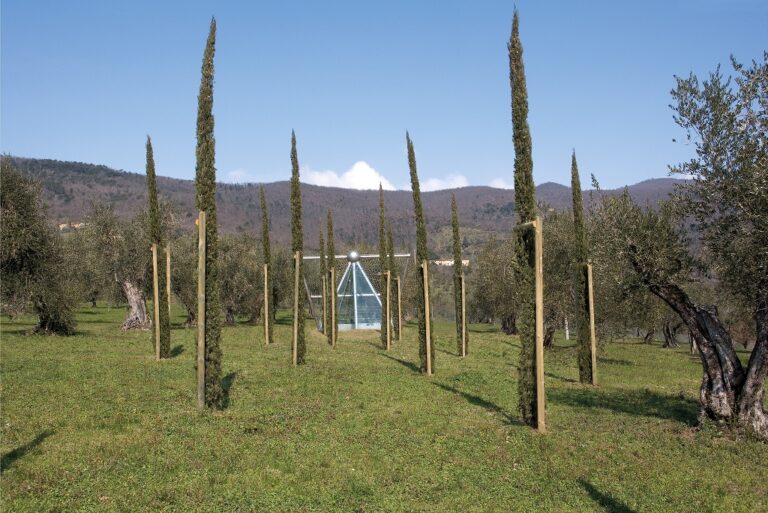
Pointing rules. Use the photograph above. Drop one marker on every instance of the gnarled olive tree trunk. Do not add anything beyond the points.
(137, 317)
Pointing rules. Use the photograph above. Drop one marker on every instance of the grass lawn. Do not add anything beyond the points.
(93, 423)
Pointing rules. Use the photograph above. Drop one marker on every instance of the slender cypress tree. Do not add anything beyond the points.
(458, 267)
(156, 236)
(421, 255)
(383, 265)
(580, 267)
(393, 270)
(331, 283)
(267, 251)
(205, 185)
(525, 204)
(323, 271)
(297, 236)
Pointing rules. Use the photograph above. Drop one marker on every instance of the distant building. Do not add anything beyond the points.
(449, 263)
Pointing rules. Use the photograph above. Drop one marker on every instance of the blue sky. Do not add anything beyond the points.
(87, 81)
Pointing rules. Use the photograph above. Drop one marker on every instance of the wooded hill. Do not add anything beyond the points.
(69, 188)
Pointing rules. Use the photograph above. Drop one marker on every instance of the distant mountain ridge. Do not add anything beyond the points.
(69, 188)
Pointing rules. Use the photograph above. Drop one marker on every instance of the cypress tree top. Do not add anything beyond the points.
(205, 171)
(578, 213)
(418, 211)
(296, 227)
(155, 229)
(525, 200)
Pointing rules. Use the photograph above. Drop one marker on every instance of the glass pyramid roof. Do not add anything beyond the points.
(358, 303)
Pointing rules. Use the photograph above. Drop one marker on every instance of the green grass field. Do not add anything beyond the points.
(93, 423)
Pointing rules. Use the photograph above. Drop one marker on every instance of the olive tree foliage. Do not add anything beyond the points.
(559, 279)
(33, 264)
(493, 285)
(184, 275)
(726, 121)
(241, 277)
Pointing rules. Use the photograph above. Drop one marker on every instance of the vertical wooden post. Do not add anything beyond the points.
(168, 278)
(539, 268)
(425, 274)
(399, 311)
(325, 307)
(295, 343)
(267, 312)
(333, 306)
(156, 299)
(463, 317)
(388, 311)
(201, 300)
(592, 338)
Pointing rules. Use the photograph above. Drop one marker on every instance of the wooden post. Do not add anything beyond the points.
(463, 317)
(168, 278)
(267, 312)
(201, 311)
(156, 298)
(325, 308)
(592, 338)
(399, 311)
(388, 312)
(333, 306)
(539, 268)
(425, 273)
(295, 344)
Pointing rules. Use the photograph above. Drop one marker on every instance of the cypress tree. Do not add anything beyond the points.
(393, 298)
(323, 271)
(580, 266)
(331, 283)
(421, 255)
(383, 265)
(156, 237)
(297, 244)
(205, 186)
(457, 270)
(525, 204)
(265, 245)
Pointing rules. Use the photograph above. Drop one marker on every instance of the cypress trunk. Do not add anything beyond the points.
(323, 272)
(205, 185)
(383, 265)
(156, 237)
(421, 255)
(580, 270)
(297, 245)
(525, 204)
(331, 283)
(267, 253)
(392, 265)
(458, 268)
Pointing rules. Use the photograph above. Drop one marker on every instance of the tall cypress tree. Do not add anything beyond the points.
(383, 265)
(393, 269)
(421, 255)
(458, 267)
(297, 244)
(156, 237)
(205, 185)
(580, 267)
(525, 204)
(323, 271)
(331, 283)
(267, 252)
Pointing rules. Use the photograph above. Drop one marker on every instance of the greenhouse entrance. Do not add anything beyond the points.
(359, 305)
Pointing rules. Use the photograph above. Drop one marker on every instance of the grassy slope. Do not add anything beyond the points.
(92, 423)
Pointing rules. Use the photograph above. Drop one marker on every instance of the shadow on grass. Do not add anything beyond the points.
(561, 378)
(10, 457)
(516, 346)
(479, 401)
(603, 499)
(450, 353)
(614, 361)
(176, 351)
(226, 384)
(415, 368)
(641, 403)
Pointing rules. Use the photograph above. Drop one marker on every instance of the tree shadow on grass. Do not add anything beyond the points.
(614, 361)
(176, 351)
(415, 368)
(226, 385)
(479, 401)
(603, 499)
(642, 403)
(450, 353)
(10, 457)
(561, 378)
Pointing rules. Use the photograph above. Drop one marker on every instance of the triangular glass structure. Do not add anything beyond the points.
(359, 305)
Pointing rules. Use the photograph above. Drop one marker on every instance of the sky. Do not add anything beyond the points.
(89, 80)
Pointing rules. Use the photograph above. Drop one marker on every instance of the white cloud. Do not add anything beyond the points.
(360, 176)
(501, 183)
(451, 181)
